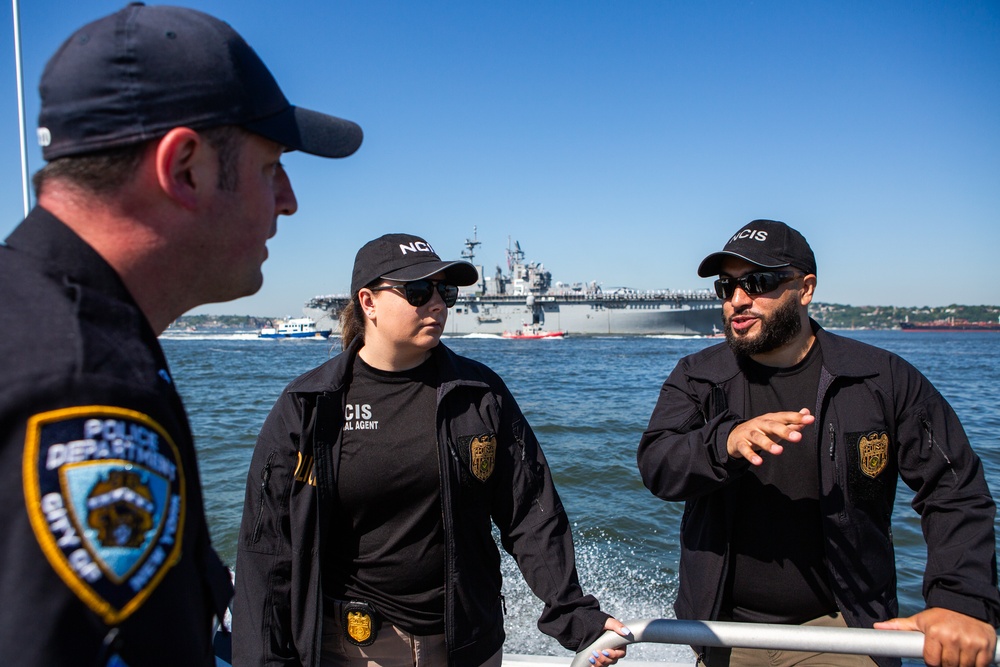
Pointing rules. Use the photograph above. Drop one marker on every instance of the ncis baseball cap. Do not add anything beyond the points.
(767, 243)
(405, 257)
(142, 71)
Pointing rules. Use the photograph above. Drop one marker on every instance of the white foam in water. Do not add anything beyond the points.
(625, 590)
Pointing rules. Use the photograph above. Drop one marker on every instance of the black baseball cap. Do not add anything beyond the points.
(405, 257)
(144, 70)
(769, 244)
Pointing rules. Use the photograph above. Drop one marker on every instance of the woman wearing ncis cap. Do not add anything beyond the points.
(366, 534)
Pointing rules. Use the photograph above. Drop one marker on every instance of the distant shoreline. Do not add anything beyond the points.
(829, 315)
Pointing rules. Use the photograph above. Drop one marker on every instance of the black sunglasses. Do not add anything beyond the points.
(419, 292)
(760, 282)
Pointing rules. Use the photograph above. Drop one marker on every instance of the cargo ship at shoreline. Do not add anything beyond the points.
(950, 324)
(525, 295)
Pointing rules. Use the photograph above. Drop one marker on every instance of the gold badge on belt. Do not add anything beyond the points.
(360, 622)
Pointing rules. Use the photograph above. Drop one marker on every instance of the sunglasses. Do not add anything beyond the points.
(760, 282)
(419, 292)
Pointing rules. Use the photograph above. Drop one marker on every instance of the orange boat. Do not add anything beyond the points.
(532, 332)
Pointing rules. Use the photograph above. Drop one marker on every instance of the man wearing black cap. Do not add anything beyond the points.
(163, 132)
(786, 444)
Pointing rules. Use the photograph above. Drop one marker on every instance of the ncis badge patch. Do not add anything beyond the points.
(873, 453)
(483, 456)
(104, 488)
(361, 623)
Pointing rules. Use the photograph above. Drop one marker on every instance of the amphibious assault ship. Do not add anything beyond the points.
(526, 295)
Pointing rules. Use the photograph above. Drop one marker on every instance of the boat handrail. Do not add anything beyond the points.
(858, 641)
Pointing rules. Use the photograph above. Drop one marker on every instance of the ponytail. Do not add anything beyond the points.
(352, 322)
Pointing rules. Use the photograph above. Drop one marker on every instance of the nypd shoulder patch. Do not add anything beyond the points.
(104, 488)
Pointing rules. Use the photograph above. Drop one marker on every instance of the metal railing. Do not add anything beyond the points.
(859, 641)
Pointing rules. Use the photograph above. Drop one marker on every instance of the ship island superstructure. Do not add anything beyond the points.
(526, 295)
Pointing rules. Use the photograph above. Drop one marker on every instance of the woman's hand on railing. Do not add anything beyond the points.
(610, 656)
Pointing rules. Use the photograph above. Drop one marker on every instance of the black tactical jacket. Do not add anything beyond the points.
(877, 419)
(104, 550)
(278, 610)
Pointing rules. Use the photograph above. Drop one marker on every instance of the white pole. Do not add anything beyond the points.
(858, 641)
(25, 195)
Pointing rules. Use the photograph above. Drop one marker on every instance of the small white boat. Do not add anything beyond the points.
(293, 327)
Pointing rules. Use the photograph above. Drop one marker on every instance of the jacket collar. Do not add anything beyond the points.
(335, 374)
(842, 357)
(845, 357)
(48, 240)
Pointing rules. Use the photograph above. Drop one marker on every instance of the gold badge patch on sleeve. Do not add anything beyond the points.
(104, 490)
(873, 450)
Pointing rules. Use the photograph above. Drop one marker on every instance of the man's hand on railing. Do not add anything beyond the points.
(951, 639)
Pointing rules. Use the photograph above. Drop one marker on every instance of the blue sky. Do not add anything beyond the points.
(619, 141)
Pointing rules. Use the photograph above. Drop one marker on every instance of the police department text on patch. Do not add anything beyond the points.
(105, 493)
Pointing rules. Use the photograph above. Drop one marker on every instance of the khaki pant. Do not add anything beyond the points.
(394, 647)
(755, 657)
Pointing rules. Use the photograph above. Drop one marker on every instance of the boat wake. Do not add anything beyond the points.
(176, 335)
(484, 336)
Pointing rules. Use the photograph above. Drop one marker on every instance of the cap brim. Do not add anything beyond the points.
(459, 272)
(310, 132)
(712, 265)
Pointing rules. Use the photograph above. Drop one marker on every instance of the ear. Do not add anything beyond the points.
(367, 300)
(808, 289)
(184, 166)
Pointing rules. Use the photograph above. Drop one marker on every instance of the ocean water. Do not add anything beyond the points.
(588, 400)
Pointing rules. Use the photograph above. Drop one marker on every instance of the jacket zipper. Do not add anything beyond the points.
(931, 446)
(930, 433)
(265, 479)
(836, 469)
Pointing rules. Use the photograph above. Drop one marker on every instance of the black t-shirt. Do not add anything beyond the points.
(776, 572)
(388, 535)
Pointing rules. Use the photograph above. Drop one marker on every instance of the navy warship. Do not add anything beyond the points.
(525, 295)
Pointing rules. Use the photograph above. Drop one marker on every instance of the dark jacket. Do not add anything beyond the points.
(89, 413)
(278, 609)
(877, 418)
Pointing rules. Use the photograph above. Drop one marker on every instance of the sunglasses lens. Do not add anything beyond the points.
(764, 282)
(449, 293)
(752, 283)
(418, 292)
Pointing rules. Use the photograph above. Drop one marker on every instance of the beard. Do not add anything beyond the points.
(776, 329)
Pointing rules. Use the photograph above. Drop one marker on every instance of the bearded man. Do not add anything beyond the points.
(786, 443)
